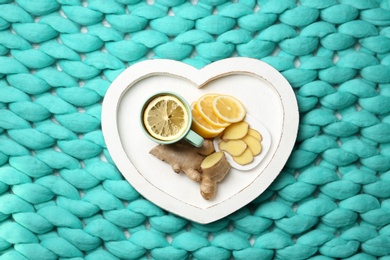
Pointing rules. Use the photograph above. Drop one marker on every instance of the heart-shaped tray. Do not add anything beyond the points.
(267, 97)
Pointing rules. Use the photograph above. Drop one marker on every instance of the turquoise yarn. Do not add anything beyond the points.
(61, 195)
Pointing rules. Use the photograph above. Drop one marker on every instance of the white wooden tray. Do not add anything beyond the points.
(267, 96)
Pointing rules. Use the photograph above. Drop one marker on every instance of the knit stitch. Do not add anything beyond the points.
(61, 195)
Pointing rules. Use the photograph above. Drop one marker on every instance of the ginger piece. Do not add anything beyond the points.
(214, 169)
(199, 164)
(233, 147)
(207, 148)
(253, 144)
(184, 157)
(236, 131)
(256, 134)
(245, 158)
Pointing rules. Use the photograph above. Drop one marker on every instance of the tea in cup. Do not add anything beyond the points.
(166, 118)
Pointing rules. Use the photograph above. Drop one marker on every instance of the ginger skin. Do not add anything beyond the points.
(214, 169)
(184, 157)
(199, 164)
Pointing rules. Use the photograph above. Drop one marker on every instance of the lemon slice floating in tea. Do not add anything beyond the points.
(166, 118)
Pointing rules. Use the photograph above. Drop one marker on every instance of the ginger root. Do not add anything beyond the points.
(199, 164)
(207, 148)
(214, 169)
(184, 157)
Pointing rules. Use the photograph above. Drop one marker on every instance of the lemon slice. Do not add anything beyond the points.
(201, 127)
(204, 105)
(166, 118)
(228, 108)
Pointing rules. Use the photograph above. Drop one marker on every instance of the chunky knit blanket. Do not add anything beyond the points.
(61, 195)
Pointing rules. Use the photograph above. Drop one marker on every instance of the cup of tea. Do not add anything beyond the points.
(166, 118)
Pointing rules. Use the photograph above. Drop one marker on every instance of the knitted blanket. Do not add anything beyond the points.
(61, 195)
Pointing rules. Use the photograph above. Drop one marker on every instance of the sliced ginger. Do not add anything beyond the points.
(233, 147)
(211, 160)
(245, 158)
(241, 142)
(236, 131)
(253, 144)
(184, 157)
(255, 134)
